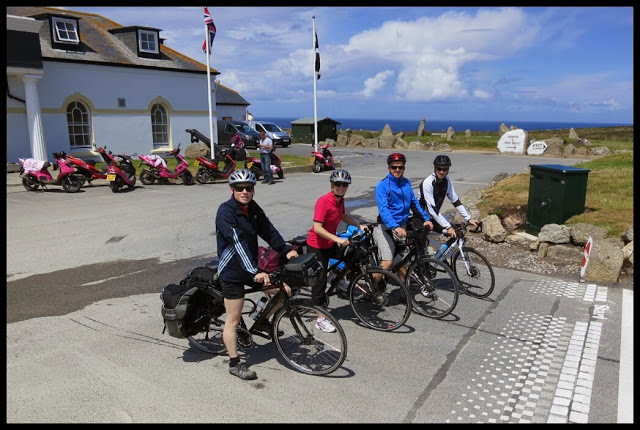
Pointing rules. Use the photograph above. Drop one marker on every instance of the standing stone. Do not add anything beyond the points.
(386, 131)
(573, 134)
(503, 129)
(450, 133)
(421, 128)
(467, 133)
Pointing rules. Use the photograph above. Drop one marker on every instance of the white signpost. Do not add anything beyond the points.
(537, 148)
(512, 141)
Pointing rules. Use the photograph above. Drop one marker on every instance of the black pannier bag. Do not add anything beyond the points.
(303, 271)
(183, 308)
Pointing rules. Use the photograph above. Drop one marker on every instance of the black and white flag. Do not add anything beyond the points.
(317, 57)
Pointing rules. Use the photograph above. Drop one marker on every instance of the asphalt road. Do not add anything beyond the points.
(84, 341)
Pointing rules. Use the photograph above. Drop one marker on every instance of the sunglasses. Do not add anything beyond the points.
(341, 184)
(442, 169)
(240, 188)
(396, 167)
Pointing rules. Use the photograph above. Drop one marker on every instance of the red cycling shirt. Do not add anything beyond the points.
(329, 212)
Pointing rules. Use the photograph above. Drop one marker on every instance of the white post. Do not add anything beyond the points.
(315, 105)
(208, 53)
(34, 120)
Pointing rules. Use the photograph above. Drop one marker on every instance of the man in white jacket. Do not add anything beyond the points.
(433, 189)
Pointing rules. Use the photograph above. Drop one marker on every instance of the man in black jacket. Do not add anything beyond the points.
(239, 222)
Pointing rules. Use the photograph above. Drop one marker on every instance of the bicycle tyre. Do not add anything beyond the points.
(433, 287)
(303, 346)
(210, 339)
(480, 280)
(384, 310)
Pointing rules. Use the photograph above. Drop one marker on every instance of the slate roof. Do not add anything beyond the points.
(100, 46)
(227, 96)
(309, 120)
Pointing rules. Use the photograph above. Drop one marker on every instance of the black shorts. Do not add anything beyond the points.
(237, 291)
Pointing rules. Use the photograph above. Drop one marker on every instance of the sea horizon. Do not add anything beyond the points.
(438, 126)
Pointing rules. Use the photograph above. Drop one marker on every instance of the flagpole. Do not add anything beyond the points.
(315, 77)
(208, 53)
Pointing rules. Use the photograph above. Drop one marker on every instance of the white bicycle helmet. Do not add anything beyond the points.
(242, 176)
(340, 175)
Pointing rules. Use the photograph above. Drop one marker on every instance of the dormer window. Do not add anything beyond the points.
(148, 41)
(65, 30)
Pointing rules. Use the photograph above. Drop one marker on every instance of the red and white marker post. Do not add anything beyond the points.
(585, 258)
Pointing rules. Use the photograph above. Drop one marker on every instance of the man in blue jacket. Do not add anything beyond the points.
(239, 222)
(395, 199)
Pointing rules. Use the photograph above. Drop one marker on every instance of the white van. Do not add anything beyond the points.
(275, 133)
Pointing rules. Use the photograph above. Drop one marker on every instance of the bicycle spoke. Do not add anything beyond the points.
(383, 306)
(306, 348)
(433, 288)
(474, 272)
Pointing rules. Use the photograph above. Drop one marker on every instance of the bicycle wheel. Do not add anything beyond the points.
(433, 287)
(384, 306)
(210, 338)
(474, 272)
(306, 348)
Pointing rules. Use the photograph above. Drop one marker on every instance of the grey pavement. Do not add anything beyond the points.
(540, 349)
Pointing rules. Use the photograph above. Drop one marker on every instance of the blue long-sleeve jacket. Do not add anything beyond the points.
(237, 239)
(394, 197)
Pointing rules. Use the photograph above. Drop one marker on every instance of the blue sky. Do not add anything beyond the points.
(467, 63)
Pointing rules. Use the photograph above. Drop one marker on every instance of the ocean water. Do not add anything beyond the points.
(437, 126)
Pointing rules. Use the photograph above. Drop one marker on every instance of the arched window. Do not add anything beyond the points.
(79, 125)
(159, 125)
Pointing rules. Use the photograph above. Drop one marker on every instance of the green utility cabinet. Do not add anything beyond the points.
(556, 193)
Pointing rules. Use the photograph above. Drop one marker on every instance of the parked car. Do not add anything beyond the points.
(227, 129)
(275, 133)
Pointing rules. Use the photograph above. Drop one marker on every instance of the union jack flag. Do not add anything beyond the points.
(211, 28)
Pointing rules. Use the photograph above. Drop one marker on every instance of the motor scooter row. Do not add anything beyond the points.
(322, 160)
(35, 174)
(158, 170)
(120, 173)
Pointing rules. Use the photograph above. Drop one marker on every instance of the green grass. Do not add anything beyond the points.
(608, 202)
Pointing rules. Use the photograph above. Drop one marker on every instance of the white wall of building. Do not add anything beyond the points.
(125, 129)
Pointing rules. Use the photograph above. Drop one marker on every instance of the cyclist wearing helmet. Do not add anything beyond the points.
(395, 199)
(322, 240)
(239, 222)
(434, 189)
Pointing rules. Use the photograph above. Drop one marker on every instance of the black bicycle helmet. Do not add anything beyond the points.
(442, 160)
(242, 176)
(340, 175)
(396, 156)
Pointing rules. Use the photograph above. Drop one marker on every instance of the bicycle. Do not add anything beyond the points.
(292, 328)
(473, 270)
(432, 285)
(382, 306)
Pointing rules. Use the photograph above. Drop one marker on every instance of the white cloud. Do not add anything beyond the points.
(371, 85)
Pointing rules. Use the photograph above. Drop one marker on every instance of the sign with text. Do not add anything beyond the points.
(537, 148)
(512, 141)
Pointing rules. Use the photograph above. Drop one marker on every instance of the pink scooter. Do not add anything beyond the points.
(158, 169)
(322, 160)
(35, 173)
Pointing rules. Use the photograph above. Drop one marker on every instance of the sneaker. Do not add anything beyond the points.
(242, 372)
(272, 182)
(325, 325)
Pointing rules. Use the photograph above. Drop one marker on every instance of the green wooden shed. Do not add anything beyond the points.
(302, 130)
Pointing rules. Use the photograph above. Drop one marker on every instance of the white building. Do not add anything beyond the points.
(77, 81)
